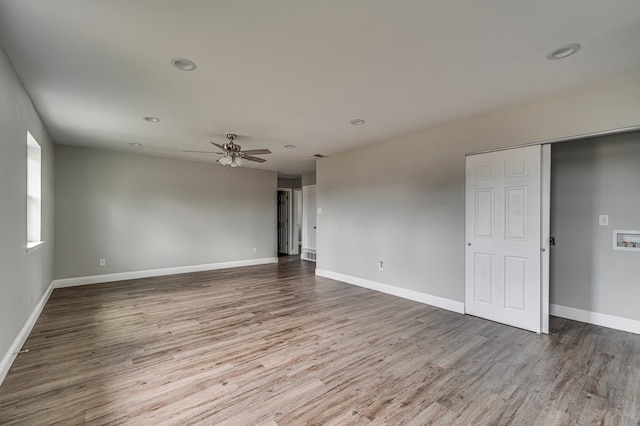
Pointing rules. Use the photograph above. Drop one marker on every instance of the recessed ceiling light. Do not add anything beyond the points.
(563, 51)
(357, 122)
(151, 119)
(184, 64)
(290, 146)
(135, 144)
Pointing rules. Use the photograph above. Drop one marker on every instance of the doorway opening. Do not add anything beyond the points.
(289, 218)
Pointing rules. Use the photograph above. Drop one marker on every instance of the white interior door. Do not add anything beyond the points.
(503, 278)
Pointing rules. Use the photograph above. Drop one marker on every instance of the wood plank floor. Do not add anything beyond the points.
(276, 345)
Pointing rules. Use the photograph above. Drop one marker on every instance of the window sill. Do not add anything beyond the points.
(33, 246)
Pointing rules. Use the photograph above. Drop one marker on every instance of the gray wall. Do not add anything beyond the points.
(21, 273)
(290, 182)
(308, 179)
(402, 201)
(407, 211)
(591, 178)
(142, 213)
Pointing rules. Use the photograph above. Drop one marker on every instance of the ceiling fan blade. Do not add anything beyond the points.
(218, 145)
(205, 152)
(256, 159)
(257, 151)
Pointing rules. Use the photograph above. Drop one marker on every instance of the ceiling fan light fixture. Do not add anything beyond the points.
(225, 161)
(151, 119)
(239, 161)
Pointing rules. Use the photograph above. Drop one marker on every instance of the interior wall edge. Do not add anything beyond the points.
(427, 299)
(121, 276)
(21, 338)
(24, 275)
(595, 318)
(141, 212)
(12, 353)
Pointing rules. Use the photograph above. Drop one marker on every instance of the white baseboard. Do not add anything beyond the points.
(18, 342)
(595, 318)
(106, 278)
(439, 302)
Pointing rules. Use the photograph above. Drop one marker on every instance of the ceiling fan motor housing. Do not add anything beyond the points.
(231, 147)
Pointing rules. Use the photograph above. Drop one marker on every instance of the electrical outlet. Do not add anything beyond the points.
(380, 265)
(30, 294)
(255, 250)
(103, 262)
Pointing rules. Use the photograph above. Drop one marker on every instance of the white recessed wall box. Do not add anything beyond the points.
(626, 240)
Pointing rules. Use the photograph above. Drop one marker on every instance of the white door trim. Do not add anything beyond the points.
(545, 234)
(296, 226)
(563, 139)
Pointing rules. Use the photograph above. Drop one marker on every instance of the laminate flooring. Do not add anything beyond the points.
(276, 345)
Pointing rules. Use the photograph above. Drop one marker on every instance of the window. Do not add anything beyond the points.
(34, 192)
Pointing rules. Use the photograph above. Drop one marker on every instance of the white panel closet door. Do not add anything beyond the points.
(503, 230)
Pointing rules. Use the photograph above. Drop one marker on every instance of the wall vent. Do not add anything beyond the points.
(309, 254)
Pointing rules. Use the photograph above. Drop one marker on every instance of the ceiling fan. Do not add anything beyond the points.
(232, 153)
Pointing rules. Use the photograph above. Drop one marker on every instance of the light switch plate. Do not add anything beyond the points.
(319, 210)
(604, 220)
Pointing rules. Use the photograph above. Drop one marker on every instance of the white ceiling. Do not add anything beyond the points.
(297, 71)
